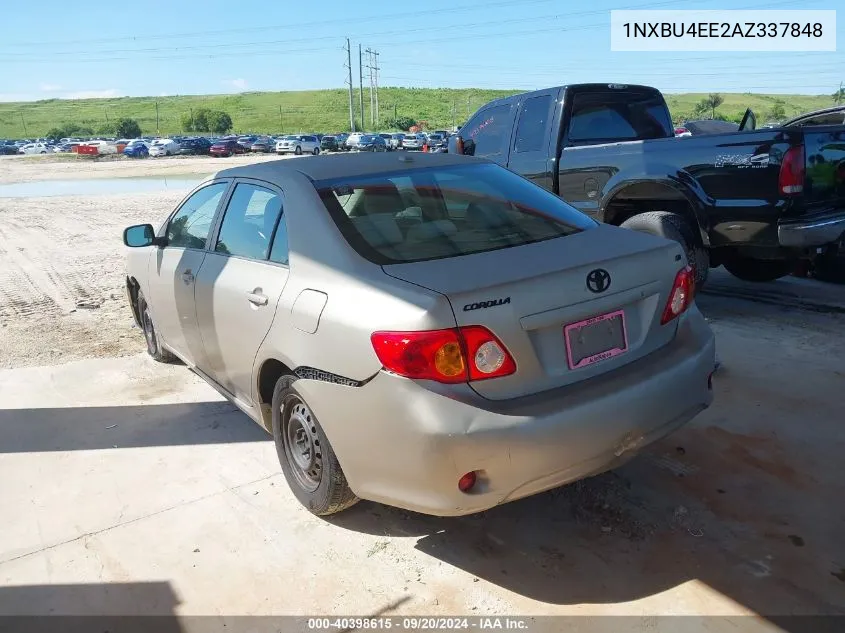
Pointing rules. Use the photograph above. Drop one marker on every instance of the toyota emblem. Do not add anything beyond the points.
(598, 280)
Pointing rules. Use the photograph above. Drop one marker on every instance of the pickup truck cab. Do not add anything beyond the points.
(755, 201)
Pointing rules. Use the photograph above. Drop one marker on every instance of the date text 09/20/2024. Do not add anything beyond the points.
(419, 623)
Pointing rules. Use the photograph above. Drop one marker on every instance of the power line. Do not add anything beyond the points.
(349, 83)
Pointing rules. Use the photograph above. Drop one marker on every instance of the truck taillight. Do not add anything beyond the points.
(791, 177)
(680, 297)
(449, 356)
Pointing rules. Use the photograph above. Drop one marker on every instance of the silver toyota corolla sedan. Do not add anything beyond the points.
(427, 331)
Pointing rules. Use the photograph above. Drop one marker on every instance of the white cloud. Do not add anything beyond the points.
(45, 87)
(92, 94)
(237, 84)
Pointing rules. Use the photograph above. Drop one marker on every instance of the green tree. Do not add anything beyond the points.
(218, 122)
(778, 111)
(67, 130)
(401, 123)
(839, 96)
(714, 100)
(127, 128)
(187, 120)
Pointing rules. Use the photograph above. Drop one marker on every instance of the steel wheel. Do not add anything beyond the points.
(302, 445)
(149, 332)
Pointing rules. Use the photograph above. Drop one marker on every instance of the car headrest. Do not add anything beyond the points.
(271, 212)
(428, 230)
(479, 216)
(383, 199)
(378, 230)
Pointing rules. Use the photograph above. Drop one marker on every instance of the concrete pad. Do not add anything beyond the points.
(127, 486)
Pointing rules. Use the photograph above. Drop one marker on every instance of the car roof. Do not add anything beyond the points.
(359, 164)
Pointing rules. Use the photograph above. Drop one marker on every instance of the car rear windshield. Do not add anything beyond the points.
(433, 213)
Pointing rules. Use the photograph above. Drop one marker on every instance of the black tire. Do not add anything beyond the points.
(675, 227)
(154, 347)
(830, 266)
(298, 150)
(322, 489)
(316, 151)
(749, 269)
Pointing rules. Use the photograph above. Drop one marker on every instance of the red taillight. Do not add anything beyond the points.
(791, 177)
(680, 296)
(448, 356)
(681, 130)
(467, 482)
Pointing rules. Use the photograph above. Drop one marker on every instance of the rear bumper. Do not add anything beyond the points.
(822, 229)
(404, 444)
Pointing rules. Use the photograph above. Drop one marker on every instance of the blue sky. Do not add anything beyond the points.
(56, 48)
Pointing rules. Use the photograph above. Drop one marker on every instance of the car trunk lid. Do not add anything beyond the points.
(535, 298)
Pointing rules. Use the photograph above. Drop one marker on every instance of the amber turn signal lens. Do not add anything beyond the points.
(449, 360)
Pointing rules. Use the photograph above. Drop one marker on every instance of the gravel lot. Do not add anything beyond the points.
(61, 285)
(129, 487)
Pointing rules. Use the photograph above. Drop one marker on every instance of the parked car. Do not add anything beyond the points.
(755, 201)
(33, 148)
(370, 143)
(164, 147)
(137, 149)
(435, 141)
(341, 140)
(537, 345)
(413, 141)
(246, 141)
(198, 146)
(387, 139)
(298, 144)
(8, 149)
(263, 144)
(396, 140)
(226, 148)
(352, 140)
(328, 144)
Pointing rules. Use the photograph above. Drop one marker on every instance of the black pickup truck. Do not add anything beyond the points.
(756, 201)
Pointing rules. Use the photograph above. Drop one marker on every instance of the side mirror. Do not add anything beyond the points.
(139, 236)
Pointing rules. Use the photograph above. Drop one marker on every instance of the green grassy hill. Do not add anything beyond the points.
(323, 110)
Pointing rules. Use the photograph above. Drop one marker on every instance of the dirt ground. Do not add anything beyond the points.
(127, 486)
(61, 284)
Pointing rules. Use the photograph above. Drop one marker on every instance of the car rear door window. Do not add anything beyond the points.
(249, 222)
(190, 226)
(625, 116)
(533, 119)
(488, 130)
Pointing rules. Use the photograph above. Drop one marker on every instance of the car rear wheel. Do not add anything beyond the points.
(154, 346)
(316, 151)
(298, 150)
(675, 227)
(308, 461)
(759, 270)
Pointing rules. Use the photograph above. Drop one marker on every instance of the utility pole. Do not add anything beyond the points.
(375, 54)
(280, 117)
(454, 107)
(349, 82)
(192, 119)
(394, 112)
(157, 131)
(361, 84)
(24, 125)
(372, 97)
(106, 110)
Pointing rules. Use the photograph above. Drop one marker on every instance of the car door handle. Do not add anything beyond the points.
(256, 298)
(188, 277)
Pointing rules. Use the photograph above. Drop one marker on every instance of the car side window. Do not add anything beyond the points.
(488, 130)
(531, 129)
(190, 226)
(249, 222)
(279, 251)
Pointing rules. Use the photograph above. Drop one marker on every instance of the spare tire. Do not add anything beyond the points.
(674, 226)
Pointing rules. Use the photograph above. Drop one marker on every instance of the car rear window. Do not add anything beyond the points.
(619, 116)
(434, 213)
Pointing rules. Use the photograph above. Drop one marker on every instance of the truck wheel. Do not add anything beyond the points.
(830, 266)
(749, 269)
(308, 460)
(675, 227)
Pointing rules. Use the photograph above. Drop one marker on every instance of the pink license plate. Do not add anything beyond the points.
(595, 339)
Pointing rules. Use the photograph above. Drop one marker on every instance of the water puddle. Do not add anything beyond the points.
(98, 186)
